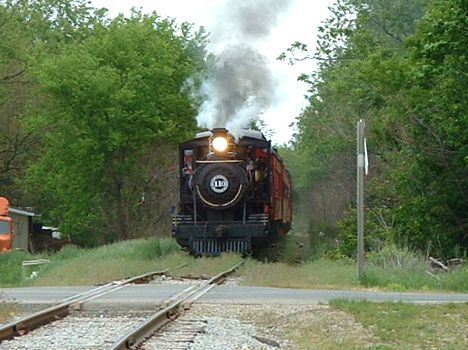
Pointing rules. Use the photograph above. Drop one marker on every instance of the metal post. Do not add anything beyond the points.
(360, 198)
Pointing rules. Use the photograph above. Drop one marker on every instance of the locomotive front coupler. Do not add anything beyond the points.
(222, 231)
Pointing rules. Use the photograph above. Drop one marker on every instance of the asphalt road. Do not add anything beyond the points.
(147, 296)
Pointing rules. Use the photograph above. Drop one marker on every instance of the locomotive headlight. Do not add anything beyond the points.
(220, 144)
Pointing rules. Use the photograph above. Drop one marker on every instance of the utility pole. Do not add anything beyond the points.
(361, 160)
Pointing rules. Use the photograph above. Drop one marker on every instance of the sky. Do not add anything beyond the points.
(298, 23)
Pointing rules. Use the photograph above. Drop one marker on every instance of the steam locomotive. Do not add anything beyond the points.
(235, 193)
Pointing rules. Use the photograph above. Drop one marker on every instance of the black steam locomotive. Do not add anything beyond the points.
(235, 194)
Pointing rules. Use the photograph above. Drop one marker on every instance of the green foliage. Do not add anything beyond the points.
(91, 109)
(296, 249)
(11, 273)
(25, 27)
(29, 29)
(111, 99)
(146, 249)
(434, 186)
(400, 66)
(361, 68)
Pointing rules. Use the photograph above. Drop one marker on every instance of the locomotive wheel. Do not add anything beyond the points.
(220, 185)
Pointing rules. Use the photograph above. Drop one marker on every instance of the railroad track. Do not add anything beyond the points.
(137, 327)
(177, 304)
(66, 306)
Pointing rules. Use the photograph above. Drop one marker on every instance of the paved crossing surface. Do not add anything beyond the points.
(143, 296)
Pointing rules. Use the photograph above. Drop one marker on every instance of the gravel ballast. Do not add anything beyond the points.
(76, 332)
(207, 327)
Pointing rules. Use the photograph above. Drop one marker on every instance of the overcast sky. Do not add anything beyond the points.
(298, 23)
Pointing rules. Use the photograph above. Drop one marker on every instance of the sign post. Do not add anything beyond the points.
(361, 164)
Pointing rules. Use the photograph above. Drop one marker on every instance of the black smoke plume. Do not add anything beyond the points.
(240, 84)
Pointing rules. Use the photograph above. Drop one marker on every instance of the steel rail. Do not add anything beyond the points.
(65, 306)
(145, 330)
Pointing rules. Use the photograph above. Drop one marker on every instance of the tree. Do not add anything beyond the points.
(399, 65)
(362, 74)
(14, 143)
(112, 99)
(28, 28)
(434, 187)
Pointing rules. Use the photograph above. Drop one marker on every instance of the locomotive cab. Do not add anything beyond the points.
(231, 193)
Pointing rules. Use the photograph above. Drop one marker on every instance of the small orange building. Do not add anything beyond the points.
(16, 227)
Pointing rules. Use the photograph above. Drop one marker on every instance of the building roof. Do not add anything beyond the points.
(21, 212)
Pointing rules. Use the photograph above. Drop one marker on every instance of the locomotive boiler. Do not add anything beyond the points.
(234, 193)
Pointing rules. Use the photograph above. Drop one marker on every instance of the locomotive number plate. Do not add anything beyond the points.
(219, 183)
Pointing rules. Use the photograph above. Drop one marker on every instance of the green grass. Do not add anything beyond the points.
(403, 270)
(412, 326)
(314, 274)
(76, 266)
(340, 274)
(389, 270)
(296, 249)
(11, 273)
(403, 279)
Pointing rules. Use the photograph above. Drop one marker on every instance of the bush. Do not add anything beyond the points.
(68, 252)
(401, 270)
(11, 273)
(392, 257)
(155, 248)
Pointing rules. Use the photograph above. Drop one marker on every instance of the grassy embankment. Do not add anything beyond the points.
(412, 326)
(74, 266)
(369, 325)
(331, 274)
(86, 266)
(391, 269)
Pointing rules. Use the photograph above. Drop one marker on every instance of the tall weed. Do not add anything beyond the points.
(393, 257)
(68, 252)
(401, 270)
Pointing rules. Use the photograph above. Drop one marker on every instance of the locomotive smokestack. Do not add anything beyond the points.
(219, 132)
